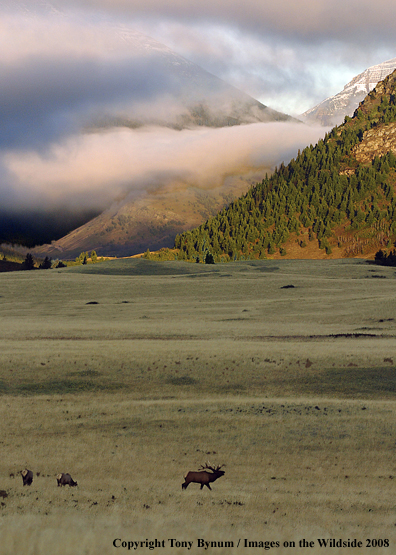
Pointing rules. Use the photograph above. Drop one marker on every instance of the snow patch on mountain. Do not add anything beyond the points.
(333, 110)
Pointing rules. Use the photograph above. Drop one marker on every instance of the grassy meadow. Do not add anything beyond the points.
(129, 373)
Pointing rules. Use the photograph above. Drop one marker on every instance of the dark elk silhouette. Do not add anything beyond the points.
(65, 480)
(203, 477)
(27, 477)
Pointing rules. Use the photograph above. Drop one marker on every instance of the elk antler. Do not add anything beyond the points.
(209, 466)
(219, 466)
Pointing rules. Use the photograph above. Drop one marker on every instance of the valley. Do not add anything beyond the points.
(129, 373)
(190, 278)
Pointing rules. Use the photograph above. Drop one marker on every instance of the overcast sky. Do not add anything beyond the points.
(290, 54)
(66, 62)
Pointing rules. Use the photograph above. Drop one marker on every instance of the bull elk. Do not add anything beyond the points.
(27, 477)
(65, 480)
(203, 477)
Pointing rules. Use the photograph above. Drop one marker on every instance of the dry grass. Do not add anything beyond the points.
(293, 391)
(291, 464)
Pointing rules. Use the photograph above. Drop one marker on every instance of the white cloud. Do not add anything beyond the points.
(95, 168)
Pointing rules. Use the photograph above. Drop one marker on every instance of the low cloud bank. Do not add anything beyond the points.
(93, 169)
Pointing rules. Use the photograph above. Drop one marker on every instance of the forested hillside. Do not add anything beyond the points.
(336, 199)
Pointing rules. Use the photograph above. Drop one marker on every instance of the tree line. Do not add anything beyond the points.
(84, 258)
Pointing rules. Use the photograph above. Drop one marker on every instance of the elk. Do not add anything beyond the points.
(203, 477)
(65, 480)
(27, 477)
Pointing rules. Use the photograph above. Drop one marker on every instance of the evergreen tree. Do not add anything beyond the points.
(46, 264)
(29, 262)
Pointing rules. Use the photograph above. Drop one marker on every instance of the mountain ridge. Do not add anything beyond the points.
(333, 109)
(204, 98)
(335, 200)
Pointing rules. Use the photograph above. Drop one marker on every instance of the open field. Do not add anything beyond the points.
(129, 373)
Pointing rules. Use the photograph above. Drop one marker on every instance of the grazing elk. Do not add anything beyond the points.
(65, 480)
(27, 477)
(203, 477)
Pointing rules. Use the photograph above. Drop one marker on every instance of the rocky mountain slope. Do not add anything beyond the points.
(151, 221)
(333, 110)
(337, 199)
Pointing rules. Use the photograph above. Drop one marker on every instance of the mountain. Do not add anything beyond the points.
(337, 199)
(333, 110)
(154, 86)
(151, 221)
(195, 96)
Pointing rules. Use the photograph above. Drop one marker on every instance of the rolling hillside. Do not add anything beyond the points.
(336, 199)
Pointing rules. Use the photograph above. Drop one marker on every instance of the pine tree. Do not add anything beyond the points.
(46, 264)
(29, 262)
